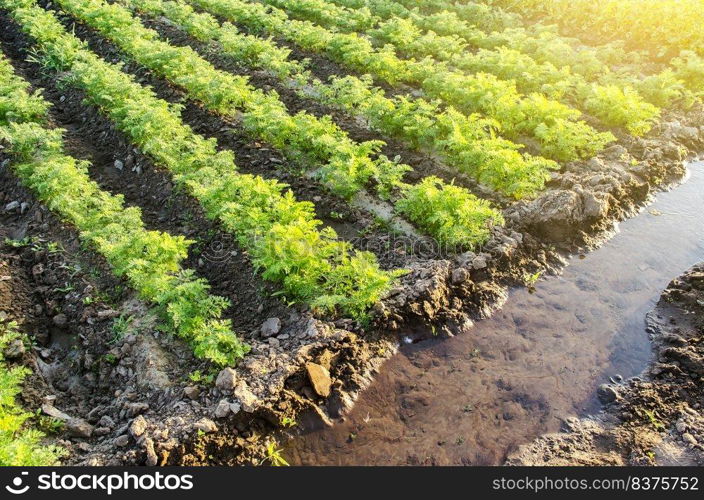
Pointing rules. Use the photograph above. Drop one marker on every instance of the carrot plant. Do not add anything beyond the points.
(467, 143)
(149, 260)
(254, 209)
(20, 444)
(438, 206)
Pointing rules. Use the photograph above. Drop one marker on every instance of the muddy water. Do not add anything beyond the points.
(473, 398)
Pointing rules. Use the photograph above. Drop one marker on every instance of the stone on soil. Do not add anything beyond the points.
(206, 425)
(121, 441)
(270, 327)
(191, 392)
(319, 378)
(247, 399)
(227, 379)
(222, 409)
(138, 426)
(77, 427)
(606, 394)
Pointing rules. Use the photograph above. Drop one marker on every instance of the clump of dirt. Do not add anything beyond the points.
(656, 418)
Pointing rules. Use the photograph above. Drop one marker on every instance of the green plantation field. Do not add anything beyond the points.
(230, 210)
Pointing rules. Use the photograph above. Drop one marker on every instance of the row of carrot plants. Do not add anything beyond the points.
(613, 105)
(676, 79)
(149, 260)
(469, 144)
(281, 234)
(607, 64)
(349, 164)
(488, 26)
(555, 126)
(662, 29)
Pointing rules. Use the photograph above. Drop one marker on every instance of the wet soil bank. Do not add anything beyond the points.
(474, 398)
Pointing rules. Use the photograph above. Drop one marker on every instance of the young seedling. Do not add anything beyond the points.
(531, 280)
(273, 456)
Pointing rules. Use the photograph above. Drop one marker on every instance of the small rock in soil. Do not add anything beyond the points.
(60, 320)
(191, 392)
(106, 421)
(54, 412)
(206, 425)
(222, 409)
(95, 414)
(688, 438)
(272, 326)
(319, 378)
(606, 394)
(479, 262)
(227, 379)
(459, 276)
(84, 447)
(138, 426)
(246, 398)
(77, 427)
(134, 409)
(121, 441)
(151, 453)
(108, 314)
